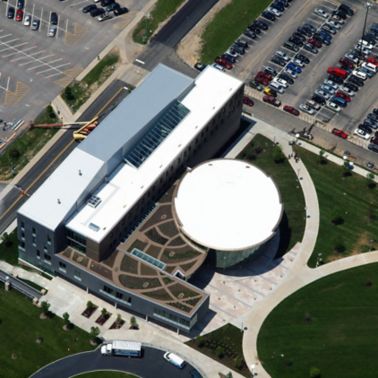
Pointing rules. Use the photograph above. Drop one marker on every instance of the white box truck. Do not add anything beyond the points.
(122, 348)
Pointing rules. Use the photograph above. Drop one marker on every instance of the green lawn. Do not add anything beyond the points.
(147, 26)
(20, 326)
(229, 24)
(330, 325)
(9, 249)
(26, 146)
(78, 92)
(348, 211)
(105, 374)
(223, 345)
(261, 152)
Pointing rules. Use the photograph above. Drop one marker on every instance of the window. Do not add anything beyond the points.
(120, 295)
(38, 253)
(107, 289)
(22, 245)
(62, 265)
(45, 256)
(48, 240)
(77, 275)
(33, 231)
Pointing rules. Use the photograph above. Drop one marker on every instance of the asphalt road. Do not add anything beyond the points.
(20, 286)
(162, 47)
(152, 365)
(53, 157)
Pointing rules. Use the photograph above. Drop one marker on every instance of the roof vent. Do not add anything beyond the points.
(80, 172)
(94, 227)
(94, 201)
(59, 201)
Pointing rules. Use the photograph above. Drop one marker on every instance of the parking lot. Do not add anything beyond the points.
(263, 48)
(35, 67)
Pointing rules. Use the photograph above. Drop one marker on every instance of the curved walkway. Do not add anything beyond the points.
(300, 274)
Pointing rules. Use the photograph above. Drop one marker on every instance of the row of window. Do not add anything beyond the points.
(116, 294)
(171, 317)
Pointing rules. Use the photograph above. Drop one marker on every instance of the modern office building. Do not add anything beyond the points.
(81, 223)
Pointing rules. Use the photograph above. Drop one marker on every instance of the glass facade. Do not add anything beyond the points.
(161, 128)
(226, 259)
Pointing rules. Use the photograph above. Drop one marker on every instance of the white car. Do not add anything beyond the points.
(313, 104)
(281, 82)
(307, 109)
(298, 62)
(360, 74)
(282, 55)
(365, 44)
(331, 105)
(232, 53)
(369, 66)
(275, 11)
(362, 133)
(52, 31)
(352, 57)
(292, 73)
(330, 83)
(277, 87)
(334, 24)
(27, 20)
(321, 12)
(103, 17)
(218, 67)
(327, 88)
(323, 94)
(348, 91)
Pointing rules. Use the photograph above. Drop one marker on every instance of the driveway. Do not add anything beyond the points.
(146, 367)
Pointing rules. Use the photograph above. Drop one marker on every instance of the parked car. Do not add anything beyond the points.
(52, 31)
(27, 20)
(220, 61)
(313, 104)
(89, 8)
(272, 100)
(54, 18)
(333, 106)
(337, 72)
(362, 133)
(290, 109)
(321, 12)
(278, 60)
(346, 90)
(255, 85)
(340, 133)
(35, 24)
(248, 101)
(11, 12)
(268, 15)
(96, 12)
(286, 77)
(319, 99)
(351, 86)
(291, 46)
(294, 67)
(282, 55)
(19, 15)
(343, 95)
(303, 58)
(312, 49)
(307, 109)
(339, 101)
(120, 11)
(270, 70)
(200, 66)
(322, 93)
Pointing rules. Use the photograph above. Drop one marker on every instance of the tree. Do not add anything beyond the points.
(14, 153)
(337, 221)
(7, 240)
(68, 94)
(322, 158)
(278, 155)
(94, 333)
(90, 305)
(133, 323)
(45, 310)
(66, 319)
(104, 312)
(371, 182)
(50, 112)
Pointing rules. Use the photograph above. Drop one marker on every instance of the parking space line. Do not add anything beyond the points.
(52, 75)
(9, 55)
(56, 60)
(19, 58)
(34, 68)
(47, 56)
(21, 44)
(62, 65)
(6, 35)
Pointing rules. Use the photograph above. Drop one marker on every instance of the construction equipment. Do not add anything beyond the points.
(78, 135)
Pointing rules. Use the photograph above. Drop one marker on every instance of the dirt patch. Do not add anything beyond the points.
(189, 49)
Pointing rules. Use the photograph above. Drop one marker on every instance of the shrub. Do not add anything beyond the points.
(338, 221)
(340, 247)
(200, 343)
(219, 352)
(315, 372)
(14, 153)
(238, 362)
(68, 94)
(278, 155)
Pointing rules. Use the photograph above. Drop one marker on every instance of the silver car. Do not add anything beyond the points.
(52, 31)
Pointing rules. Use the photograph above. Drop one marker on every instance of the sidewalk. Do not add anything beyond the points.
(65, 297)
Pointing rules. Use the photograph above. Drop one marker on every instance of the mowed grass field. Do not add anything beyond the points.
(330, 325)
(348, 211)
(20, 327)
(260, 152)
(227, 25)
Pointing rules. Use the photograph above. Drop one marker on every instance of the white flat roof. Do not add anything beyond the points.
(227, 205)
(126, 186)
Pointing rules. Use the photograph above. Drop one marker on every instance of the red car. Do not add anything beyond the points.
(248, 101)
(340, 133)
(315, 42)
(19, 15)
(372, 60)
(224, 63)
(343, 95)
(262, 79)
(345, 62)
(268, 76)
(291, 110)
(337, 72)
(271, 100)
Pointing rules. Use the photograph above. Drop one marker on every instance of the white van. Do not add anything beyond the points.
(174, 359)
(277, 87)
(369, 66)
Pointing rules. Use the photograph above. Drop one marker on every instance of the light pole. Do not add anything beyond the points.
(368, 6)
